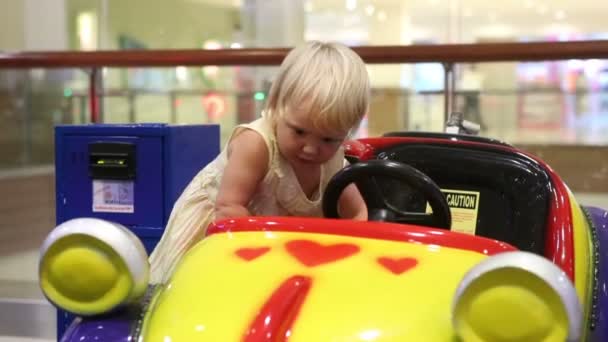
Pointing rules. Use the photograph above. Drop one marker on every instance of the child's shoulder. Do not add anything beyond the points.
(248, 143)
(247, 136)
(257, 133)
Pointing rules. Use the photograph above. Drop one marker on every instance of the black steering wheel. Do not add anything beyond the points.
(378, 209)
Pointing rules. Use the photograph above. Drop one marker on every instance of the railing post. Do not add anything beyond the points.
(449, 85)
(173, 106)
(93, 107)
(131, 101)
(26, 106)
(82, 105)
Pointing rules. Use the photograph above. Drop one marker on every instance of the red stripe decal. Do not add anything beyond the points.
(274, 321)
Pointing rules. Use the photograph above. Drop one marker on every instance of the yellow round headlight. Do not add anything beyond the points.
(90, 266)
(516, 296)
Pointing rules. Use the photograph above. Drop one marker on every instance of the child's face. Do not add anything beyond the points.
(301, 143)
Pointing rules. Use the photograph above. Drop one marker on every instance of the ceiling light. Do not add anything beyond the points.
(492, 16)
(86, 23)
(381, 15)
(560, 29)
(308, 6)
(181, 73)
(369, 10)
(351, 5)
(212, 45)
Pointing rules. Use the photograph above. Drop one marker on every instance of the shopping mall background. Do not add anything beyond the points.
(558, 109)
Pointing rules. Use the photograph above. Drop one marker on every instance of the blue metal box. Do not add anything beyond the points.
(131, 174)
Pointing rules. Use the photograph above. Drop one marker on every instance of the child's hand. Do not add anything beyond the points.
(351, 205)
(227, 211)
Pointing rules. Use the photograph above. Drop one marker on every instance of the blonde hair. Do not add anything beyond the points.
(328, 79)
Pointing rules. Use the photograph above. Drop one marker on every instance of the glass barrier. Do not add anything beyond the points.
(137, 24)
(32, 102)
(521, 103)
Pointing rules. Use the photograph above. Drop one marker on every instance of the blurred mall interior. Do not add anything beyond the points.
(556, 109)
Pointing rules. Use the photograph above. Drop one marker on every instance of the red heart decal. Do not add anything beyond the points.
(398, 266)
(311, 253)
(249, 254)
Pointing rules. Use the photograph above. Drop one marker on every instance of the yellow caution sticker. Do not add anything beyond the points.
(464, 206)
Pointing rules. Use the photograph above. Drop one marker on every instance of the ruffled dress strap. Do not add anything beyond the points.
(264, 127)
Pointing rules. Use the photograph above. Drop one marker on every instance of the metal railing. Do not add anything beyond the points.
(447, 55)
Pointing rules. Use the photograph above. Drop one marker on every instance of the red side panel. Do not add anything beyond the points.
(373, 230)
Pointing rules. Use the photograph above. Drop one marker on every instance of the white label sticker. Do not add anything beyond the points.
(110, 196)
(464, 207)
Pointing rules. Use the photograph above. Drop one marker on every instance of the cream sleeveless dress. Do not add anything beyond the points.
(279, 194)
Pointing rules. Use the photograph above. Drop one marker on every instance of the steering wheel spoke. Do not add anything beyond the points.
(423, 219)
(371, 193)
(366, 174)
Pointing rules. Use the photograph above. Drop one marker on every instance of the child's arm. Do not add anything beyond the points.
(351, 204)
(246, 167)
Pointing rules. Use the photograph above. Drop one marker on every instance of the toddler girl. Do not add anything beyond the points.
(279, 164)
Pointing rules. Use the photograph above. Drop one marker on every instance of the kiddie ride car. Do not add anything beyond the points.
(511, 257)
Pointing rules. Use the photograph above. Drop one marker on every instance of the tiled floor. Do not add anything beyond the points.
(27, 319)
(31, 318)
(599, 200)
(23, 339)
